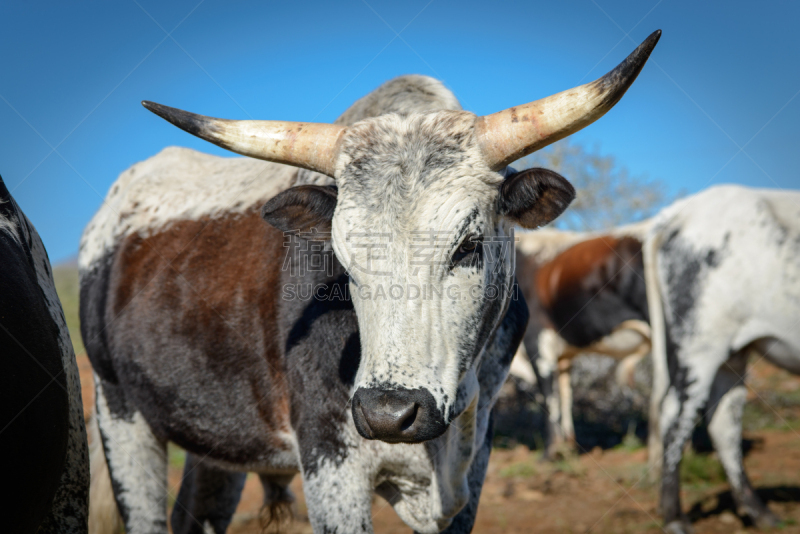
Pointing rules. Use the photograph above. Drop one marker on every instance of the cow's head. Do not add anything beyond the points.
(422, 217)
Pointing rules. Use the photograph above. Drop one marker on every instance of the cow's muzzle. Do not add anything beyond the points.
(397, 415)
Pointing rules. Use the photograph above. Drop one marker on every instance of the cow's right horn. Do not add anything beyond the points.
(302, 144)
(510, 134)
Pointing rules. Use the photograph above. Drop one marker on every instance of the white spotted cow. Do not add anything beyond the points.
(359, 338)
(43, 451)
(723, 281)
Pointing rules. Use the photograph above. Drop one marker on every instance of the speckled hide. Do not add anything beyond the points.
(43, 442)
(206, 326)
(723, 280)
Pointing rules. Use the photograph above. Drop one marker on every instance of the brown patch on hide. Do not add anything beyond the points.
(592, 262)
(214, 285)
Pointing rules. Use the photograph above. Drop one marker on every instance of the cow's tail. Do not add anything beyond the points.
(104, 516)
(658, 350)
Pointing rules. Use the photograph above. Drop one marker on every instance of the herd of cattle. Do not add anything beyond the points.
(395, 241)
(706, 283)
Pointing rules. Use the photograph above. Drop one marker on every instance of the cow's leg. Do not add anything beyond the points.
(207, 499)
(545, 379)
(687, 394)
(545, 364)
(137, 462)
(338, 493)
(278, 497)
(728, 395)
(565, 393)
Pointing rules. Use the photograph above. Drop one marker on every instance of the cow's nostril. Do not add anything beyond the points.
(396, 415)
(365, 422)
(408, 418)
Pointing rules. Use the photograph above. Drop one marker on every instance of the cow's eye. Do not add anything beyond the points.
(469, 252)
(467, 247)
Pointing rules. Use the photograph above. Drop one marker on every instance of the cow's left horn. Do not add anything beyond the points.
(516, 132)
(302, 144)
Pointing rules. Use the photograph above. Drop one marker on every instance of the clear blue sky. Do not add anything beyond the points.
(718, 101)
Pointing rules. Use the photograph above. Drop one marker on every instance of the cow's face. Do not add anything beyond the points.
(421, 217)
(424, 228)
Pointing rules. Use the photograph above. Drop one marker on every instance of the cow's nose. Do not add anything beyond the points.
(397, 415)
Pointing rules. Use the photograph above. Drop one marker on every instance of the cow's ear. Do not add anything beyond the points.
(534, 197)
(302, 208)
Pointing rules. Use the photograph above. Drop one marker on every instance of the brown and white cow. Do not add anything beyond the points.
(360, 338)
(586, 294)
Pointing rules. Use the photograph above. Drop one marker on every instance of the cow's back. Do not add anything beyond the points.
(732, 254)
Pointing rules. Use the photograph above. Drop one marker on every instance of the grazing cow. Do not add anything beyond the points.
(723, 281)
(360, 339)
(42, 436)
(586, 294)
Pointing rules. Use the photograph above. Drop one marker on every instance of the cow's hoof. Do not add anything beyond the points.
(561, 452)
(679, 526)
(759, 514)
(766, 519)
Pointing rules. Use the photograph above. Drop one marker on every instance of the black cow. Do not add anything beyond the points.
(43, 452)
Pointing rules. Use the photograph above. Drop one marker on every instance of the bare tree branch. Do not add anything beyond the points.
(607, 195)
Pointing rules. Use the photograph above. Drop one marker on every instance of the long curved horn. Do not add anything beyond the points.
(302, 144)
(510, 134)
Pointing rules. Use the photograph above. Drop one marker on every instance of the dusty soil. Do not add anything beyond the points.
(600, 491)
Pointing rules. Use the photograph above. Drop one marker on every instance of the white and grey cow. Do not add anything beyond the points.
(43, 451)
(723, 281)
(360, 338)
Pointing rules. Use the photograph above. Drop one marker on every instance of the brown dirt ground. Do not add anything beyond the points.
(603, 491)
